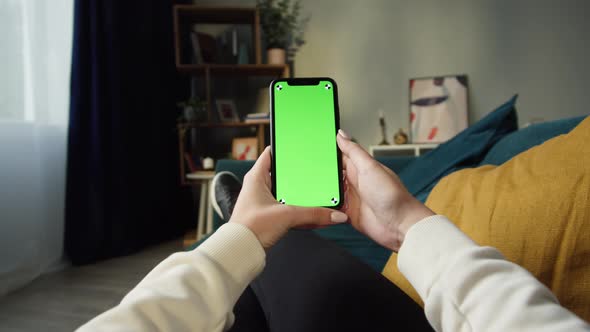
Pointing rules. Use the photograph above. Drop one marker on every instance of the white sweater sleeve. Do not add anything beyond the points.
(466, 287)
(190, 291)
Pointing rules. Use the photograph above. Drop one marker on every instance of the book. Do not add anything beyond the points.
(197, 57)
(257, 118)
(190, 163)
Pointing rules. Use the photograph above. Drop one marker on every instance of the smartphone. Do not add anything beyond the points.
(306, 162)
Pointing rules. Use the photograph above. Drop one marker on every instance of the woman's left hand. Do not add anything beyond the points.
(257, 209)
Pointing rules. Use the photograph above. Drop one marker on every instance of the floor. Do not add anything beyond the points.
(64, 300)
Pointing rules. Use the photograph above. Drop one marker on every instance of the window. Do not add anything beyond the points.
(12, 97)
(35, 59)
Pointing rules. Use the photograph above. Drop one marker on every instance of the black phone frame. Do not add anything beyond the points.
(306, 81)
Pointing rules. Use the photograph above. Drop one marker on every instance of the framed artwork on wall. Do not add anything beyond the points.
(226, 108)
(438, 108)
(244, 148)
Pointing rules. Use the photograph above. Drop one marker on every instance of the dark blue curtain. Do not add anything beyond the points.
(123, 189)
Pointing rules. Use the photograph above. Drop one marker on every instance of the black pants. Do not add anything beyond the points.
(311, 284)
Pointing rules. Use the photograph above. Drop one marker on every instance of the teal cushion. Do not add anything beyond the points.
(238, 167)
(467, 149)
(396, 164)
(526, 138)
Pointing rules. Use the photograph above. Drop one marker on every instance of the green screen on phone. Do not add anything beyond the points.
(305, 155)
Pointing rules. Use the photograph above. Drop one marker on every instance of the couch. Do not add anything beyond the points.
(500, 151)
(494, 140)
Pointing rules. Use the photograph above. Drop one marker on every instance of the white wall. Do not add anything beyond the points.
(538, 49)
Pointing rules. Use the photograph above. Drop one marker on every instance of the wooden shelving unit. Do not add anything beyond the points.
(188, 14)
(185, 16)
(235, 70)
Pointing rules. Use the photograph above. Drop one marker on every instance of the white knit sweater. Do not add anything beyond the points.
(465, 287)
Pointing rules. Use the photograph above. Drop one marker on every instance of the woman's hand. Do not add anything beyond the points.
(258, 210)
(376, 201)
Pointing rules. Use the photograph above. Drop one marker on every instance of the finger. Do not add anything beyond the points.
(350, 196)
(359, 157)
(314, 216)
(262, 165)
(388, 170)
(351, 172)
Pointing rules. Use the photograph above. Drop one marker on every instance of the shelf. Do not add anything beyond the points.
(222, 124)
(400, 150)
(187, 15)
(186, 18)
(403, 147)
(218, 15)
(236, 70)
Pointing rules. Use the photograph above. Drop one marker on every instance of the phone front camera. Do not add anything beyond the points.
(279, 87)
(328, 86)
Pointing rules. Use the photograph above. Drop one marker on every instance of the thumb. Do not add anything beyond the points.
(360, 158)
(315, 216)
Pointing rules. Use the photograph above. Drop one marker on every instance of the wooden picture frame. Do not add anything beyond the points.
(226, 109)
(244, 148)
(438, 108)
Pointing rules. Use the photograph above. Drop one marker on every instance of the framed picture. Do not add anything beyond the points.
(226, 108)
(438, 108)
(244, 148)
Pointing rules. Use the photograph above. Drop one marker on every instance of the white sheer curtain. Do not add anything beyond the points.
(35, 58)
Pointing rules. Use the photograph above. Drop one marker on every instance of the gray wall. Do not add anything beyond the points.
(538, 49)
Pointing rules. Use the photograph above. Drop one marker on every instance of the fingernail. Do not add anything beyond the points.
(343, 134)
(338, 217)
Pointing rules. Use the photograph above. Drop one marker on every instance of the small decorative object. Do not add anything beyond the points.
(382, 125)
(438, 108)
(245, 148)
(276, 56)
(208, 163)
(283, 28)
(193, 110)
(226, 108)
(400, 137)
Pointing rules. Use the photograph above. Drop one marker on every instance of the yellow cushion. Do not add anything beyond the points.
(535, 209)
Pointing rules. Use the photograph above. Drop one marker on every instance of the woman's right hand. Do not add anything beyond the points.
(375, 200)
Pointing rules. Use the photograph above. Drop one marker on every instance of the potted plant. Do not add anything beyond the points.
(282, 27)
(193, 110)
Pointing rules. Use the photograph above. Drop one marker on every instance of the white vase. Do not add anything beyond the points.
(275, 56)
(189, 114)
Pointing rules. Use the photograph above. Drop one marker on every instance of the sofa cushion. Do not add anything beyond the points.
(535, 209)
(467, 149)
(526, 138)
(396, 164)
